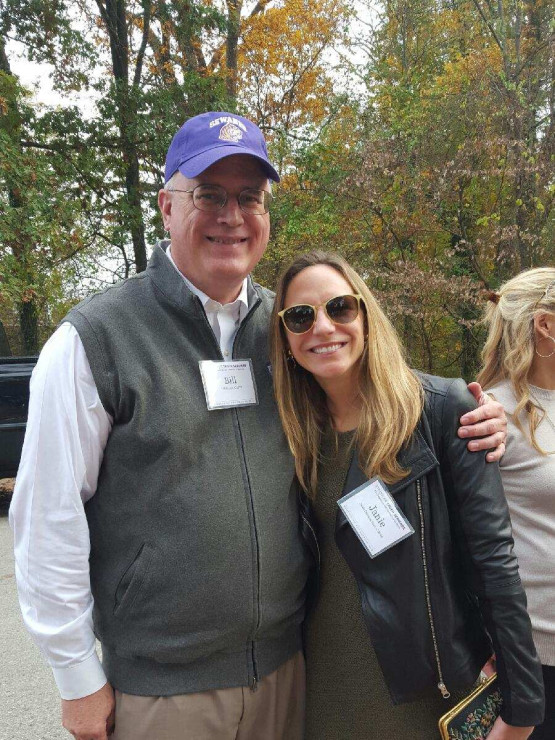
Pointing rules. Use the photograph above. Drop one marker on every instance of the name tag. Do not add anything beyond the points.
(228, 384)
(375, 517)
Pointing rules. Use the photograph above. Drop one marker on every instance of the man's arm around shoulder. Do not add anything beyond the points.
(486, 425)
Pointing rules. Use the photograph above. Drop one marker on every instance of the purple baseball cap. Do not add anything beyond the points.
(209, 137)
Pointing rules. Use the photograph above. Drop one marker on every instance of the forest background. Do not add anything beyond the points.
(415, 137)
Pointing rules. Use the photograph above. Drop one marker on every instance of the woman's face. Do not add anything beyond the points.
(328, 351)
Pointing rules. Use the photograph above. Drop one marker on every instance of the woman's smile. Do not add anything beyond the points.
(326, 349)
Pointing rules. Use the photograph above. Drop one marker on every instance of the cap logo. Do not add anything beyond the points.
(230, 132)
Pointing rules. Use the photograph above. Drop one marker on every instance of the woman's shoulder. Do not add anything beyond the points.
(438, 384)
(445, 401)
(446, 393)
(504, 393)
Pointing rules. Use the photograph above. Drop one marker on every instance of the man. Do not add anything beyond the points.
(156, 479)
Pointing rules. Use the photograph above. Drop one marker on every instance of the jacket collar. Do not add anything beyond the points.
(416, 456)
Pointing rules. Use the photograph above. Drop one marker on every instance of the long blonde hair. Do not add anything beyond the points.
(509, 349)
(391, 395)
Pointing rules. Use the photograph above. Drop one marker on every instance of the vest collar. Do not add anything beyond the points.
(175, 290)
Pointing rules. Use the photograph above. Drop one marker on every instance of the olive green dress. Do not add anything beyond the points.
(347, 698)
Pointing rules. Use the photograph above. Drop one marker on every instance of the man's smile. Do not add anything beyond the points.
(227, 240)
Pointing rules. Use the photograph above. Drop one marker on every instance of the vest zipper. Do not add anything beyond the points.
(441, 685)
(239, 330)
(254, 679)
(256, 595)
(242, 324)
(207, 324)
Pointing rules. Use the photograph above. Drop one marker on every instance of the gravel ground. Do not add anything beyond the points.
(29, 700)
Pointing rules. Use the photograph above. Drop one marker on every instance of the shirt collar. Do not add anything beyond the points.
(245, 298)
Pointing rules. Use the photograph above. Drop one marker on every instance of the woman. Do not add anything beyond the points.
(519, 370)
(352, 409)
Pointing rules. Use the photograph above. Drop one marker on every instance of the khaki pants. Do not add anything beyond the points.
(275, 711)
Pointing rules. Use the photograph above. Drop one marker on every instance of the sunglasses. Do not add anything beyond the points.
(343, 309)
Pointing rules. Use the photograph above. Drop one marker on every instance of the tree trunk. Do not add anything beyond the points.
(5, 349)
(233, 28)
(113, 13)
(470, 356)
(28, 321)
(27, 309)
(133, 189)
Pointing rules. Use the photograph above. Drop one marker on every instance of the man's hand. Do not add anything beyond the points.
(92, 717)
(488, 422)
(503, 731)
(489, 668)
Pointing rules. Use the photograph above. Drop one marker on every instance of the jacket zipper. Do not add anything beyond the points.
(441, 685)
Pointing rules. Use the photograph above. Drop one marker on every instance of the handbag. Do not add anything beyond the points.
(474, 716)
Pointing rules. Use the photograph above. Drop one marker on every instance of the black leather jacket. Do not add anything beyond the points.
(432, 602)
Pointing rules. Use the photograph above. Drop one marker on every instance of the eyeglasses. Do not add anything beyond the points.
(343, 309)
(212, 198)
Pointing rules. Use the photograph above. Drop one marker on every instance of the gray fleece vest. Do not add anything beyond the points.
(197, 567)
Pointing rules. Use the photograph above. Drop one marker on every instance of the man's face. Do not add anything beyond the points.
(216, 251)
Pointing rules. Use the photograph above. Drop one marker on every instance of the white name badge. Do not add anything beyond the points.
(375, 517)
(228, 384)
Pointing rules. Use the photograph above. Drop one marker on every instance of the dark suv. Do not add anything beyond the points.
(15, 374)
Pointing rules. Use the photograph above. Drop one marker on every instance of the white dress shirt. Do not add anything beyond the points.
(67, 430)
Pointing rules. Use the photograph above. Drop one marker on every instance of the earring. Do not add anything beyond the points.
(551, 353)
(290, 359)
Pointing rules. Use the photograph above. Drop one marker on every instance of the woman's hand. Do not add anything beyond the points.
(502, 731)
(487, 424)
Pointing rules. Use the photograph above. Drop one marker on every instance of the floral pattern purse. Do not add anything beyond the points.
(474, 716)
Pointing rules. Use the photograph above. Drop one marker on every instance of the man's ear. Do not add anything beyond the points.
(165, 206)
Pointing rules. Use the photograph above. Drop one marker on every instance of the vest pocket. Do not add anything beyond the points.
(132, 580)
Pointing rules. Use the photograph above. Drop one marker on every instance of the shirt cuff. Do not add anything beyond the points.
(81, 679)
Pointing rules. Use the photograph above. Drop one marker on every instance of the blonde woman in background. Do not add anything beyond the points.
(519, 370)
(352, 409)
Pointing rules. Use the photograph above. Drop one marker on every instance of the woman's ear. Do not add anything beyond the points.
(544, 325)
